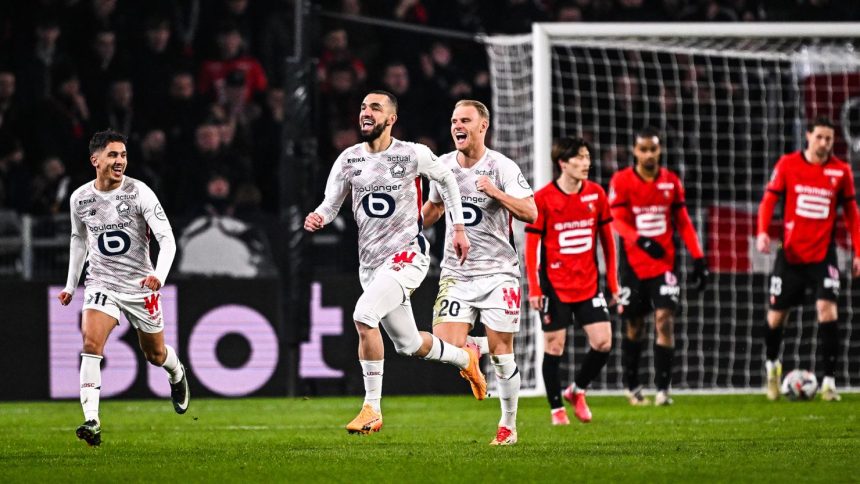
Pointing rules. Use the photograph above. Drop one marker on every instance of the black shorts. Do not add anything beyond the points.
(788, 282)
(557, 315)
(641, 296)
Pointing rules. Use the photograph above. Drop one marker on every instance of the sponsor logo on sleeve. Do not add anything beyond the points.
(522, 181)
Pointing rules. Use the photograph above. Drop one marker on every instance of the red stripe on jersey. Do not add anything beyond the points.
(419, 198)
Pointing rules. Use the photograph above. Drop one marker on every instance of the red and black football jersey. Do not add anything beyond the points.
(568, 226)
(811, 194)
(648, 209)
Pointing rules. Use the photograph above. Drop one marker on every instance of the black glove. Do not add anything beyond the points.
(699, 278)
(651, 247)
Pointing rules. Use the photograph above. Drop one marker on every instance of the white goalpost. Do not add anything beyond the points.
(729, 100)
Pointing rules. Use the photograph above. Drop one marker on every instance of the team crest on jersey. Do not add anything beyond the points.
(398, 170)
(671, 280)
(612, 194)
(123, 208)
(667, 194)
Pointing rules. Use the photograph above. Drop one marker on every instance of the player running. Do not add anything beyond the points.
(493, 190)
(648, 205)
(384, 176)
(112, 217)
(812, 184)
(572, 213)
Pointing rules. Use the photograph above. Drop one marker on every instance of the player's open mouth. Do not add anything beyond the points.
(460, 137)
(117, 170)
(367, 123)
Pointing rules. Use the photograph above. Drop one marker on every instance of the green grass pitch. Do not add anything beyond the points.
(730, 438)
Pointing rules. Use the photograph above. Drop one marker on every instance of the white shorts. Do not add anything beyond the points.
(408, 267)
(143, 311)
(496, 298)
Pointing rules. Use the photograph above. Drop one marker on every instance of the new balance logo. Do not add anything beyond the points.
(151, 303)
(404, 257)
(512, 296)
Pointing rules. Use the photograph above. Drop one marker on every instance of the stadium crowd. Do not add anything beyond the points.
(197, 85)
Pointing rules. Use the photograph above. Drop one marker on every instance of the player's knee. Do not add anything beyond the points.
(604, 345)
(633, 329)
(91, 347)
(365, 314)
(407, 346)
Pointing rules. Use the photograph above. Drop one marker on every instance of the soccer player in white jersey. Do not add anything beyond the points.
(112, 217)
(384, 176)
(492, 189)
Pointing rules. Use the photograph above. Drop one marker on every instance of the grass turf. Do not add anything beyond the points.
(435, 439)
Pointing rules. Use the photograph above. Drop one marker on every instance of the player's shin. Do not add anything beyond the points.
(91, 385)
(663, 356)
(171, 364)
(630, 355)
(371, 371)
(551, 380)
(591, 367)
(773, 340)
(828, 334)
(447, 353)
(508, 376)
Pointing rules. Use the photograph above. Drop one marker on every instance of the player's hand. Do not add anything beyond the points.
(313, 222)
(536, 302)
(484, 184)
(65, 298)
(461, 243)
(762, 243)
(651, 247)
(151, 282)
(855, 267)
(700, 274)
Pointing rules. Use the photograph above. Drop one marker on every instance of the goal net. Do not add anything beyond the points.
(729, 102)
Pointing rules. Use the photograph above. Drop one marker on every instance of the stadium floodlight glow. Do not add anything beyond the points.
(729, 100)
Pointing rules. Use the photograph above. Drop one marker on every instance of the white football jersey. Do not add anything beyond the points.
(116, 226)
(386, 195)
(488, 223)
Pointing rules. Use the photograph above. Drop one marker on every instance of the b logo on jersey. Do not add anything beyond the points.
(123, 208)
(378, 205)
(115, 242)
(472, 214)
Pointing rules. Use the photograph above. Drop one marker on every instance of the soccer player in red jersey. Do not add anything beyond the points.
(812, 184)
(648, 205)
(572, 212)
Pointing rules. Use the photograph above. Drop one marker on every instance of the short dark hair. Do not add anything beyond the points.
(391, 97)
(100, 140)
(567, 147)
(822, 121)
(647, 132)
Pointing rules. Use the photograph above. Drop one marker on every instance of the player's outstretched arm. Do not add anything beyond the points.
(336, 190)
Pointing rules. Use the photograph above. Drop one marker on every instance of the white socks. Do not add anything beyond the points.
(480, 342)
(828, 382)
(172, 366)
(372, 372)
(509, 388)
(447, 353)
(91, 385)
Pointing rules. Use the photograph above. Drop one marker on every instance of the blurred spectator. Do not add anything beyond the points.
(64, 124)
(396, 80)
(186, 24)
(102, 65)
(36, 69)
(90, 16)
(236, 108)
(342, 98)
(11, 115)
(213, 72)
(410, 11)
(336, 51)
(118, 111)
(155, 60)
(51, 188)
(276, 41)
(148, 160)
(268, 132)
(178, 117)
